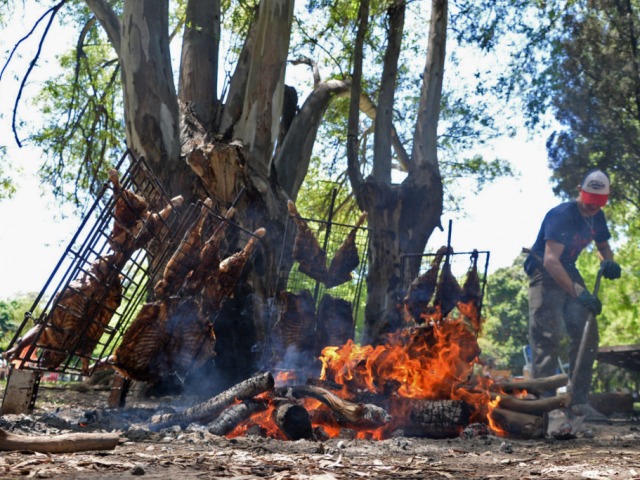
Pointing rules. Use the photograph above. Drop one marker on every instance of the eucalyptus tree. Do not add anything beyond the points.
(248, 141)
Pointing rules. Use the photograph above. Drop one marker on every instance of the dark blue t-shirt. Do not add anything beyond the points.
(567, 226)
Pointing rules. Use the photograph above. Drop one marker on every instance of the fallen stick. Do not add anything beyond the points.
(207, 411)
(65, 443)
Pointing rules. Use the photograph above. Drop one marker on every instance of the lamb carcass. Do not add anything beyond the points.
(311, 258)
(130, 211)
(346, 258)
(448, 291)
(423, 287)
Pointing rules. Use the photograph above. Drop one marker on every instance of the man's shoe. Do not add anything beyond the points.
(589, 413)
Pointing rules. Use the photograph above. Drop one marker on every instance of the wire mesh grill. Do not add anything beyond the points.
(316, 309)
(109, 270)
(447, 284)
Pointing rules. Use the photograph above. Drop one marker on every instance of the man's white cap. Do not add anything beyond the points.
(596, 182)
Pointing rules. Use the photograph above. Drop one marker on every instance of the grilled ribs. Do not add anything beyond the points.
(311, 258)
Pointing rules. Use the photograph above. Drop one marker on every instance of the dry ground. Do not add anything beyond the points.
(601, 451)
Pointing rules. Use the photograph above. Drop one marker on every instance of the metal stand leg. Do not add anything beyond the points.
(22, 389)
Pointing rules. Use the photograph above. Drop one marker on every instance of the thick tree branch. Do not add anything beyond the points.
(383, 122)
(353, 169)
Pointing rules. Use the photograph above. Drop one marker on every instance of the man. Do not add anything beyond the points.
(557, 292)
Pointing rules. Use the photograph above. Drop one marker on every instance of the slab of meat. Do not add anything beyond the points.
(79, 316)
(346, 258)
(311, 258)
(155, 222)
(191, 339)
(186, 256)
(423, 287)
(448, 291)
(295, 328)
(471, 296)
(130, 211)
(142, 351)
(220, 284)
(335, 321)
(209, 256)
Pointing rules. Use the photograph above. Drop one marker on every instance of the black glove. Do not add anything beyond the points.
(610, 269)
(590, 301)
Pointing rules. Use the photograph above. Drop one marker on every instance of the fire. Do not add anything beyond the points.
(425, 362)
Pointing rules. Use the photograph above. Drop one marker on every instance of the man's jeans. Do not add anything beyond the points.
(549, 305)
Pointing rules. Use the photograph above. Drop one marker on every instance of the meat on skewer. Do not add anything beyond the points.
(185, 258)
(220, 284)
(209, 256)
(471, 296)
(423, 287)
(346, 258)
(311, 258)
(130, 211)
(155, 221)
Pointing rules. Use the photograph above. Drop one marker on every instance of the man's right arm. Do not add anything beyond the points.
(552, 253)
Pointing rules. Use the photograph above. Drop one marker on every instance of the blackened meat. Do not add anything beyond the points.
(346, 258)
(448, 291)
(423, 287)
(335, 321)
(311, 258)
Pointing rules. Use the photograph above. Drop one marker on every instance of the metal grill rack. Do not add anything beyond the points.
(137, 270)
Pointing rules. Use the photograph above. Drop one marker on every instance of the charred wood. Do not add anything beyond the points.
(360, 415)
(293, 420)
(234, 415)
(432, 418)
(520, 425)
(206, 411)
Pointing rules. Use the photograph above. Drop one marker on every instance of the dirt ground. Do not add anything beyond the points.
(600, 451)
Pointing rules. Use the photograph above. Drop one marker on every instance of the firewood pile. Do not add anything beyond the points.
(145, 278)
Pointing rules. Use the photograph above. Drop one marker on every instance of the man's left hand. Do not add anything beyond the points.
(610, 269)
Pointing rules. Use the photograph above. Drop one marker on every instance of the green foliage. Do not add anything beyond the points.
(12, 314)
(506, 313)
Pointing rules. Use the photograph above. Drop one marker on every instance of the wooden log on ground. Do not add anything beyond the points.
(533, 407)
(233, 415)
(65, 443)
(207, 411)
(294, 421)
(433, 418)
(520, 425)
(535, 385)
(359, 415)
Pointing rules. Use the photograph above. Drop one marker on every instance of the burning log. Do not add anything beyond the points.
(358, 415)
(346, 258)
(536, 385)
(533, 407)
(70, 442)
(311, 257)
(206, 411)
(521, 425)
(293, 420)
(233, 415)
(433, 418)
